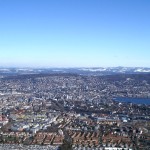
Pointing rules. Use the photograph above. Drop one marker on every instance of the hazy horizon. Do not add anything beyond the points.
(26, 66)
(74, 33)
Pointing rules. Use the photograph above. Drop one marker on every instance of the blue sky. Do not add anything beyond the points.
(74, 33)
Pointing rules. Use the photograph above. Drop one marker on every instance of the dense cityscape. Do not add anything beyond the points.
(72, 111)
(74, 74)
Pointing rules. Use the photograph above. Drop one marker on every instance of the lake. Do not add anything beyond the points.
(145, 101)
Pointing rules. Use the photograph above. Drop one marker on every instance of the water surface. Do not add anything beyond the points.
(145, 101)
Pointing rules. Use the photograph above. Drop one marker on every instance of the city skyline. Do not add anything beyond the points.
(74, 33)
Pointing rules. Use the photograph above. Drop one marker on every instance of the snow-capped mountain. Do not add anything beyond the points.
(81, 71)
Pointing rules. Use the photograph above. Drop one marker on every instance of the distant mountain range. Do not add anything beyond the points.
(96, 71)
